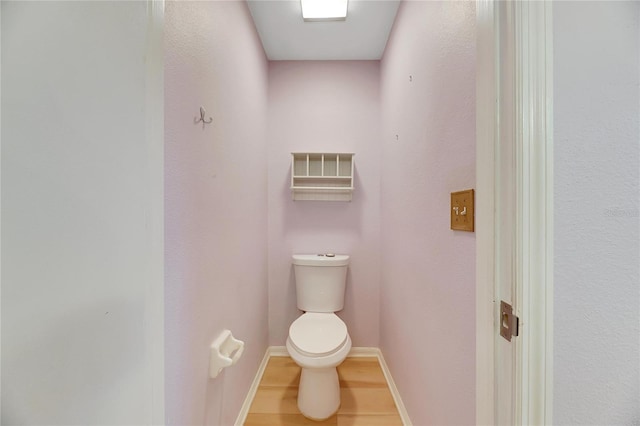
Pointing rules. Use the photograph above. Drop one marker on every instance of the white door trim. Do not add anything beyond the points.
(534, 171)
(0, 207)
(486, 122)
(534, 295)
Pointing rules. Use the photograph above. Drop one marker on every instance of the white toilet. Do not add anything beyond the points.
(318, 340)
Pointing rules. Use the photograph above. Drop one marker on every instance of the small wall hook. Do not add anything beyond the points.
(198, 120)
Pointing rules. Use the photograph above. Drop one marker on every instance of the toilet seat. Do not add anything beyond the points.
(316, 334)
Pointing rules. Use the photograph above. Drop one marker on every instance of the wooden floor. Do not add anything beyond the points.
(365, 396)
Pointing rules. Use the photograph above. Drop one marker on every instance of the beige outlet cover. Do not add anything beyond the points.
(462, 210)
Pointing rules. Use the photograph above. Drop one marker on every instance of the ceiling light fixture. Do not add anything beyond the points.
(324, 10)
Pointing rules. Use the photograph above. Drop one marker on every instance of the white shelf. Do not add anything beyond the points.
(322, 176)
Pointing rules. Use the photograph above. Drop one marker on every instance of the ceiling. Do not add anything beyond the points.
(286, 36)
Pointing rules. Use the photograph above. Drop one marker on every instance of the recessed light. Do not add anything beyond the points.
(324, 10)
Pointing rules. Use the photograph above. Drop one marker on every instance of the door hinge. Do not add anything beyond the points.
(509, 323)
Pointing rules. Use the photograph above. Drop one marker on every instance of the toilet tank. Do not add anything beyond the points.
(320, 281)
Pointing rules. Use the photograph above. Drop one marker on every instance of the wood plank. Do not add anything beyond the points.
(287, 420)
(361, 372)
(275, 400)
(369, 420)
(366, 401)
(281, 371)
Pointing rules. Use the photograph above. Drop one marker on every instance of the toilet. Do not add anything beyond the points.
(318, 340)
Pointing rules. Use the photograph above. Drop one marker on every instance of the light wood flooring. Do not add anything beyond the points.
(365, 396)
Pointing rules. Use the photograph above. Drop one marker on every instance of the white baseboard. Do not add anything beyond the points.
(353, 353)
(363, 351)
(244, 410)
(402, 410)
(278, 351)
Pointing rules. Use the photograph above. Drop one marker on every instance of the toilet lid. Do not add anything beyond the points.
(318, 333)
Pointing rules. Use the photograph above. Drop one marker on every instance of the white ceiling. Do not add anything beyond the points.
(286, 36)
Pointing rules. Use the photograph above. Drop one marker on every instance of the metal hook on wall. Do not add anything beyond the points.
(198, 120)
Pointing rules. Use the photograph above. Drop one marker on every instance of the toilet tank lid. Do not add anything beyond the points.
(320, 259)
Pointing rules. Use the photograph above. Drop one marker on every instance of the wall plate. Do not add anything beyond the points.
(462, 210)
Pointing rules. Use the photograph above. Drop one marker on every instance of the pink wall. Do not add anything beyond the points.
(428, 275)
(216, 205)
(411, 283)
(322, 106)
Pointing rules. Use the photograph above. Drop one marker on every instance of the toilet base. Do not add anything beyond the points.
(319, 388)
(319, 393)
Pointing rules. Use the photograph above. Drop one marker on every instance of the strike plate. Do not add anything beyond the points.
(508, 321)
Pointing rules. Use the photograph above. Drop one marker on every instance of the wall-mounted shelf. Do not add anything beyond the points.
(325, 177)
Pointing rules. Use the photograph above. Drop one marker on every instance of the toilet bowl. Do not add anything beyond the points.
(318, 342)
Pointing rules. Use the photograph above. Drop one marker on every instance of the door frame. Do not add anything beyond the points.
(533, 376)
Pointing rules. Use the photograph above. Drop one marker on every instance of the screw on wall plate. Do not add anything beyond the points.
(410, 78)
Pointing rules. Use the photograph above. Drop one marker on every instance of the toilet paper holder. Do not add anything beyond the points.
(225, 352)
